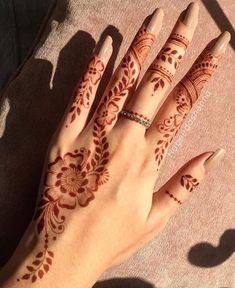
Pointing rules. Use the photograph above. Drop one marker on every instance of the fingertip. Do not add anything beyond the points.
(106, 48)
(190, 15)
(214, 159)
(155, 23)
(220, 44)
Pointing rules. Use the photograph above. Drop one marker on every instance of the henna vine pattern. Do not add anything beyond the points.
(170, 55)
(185, 94)
(84, 88)
(189, 182)
(173, 197)
(108, 109)
(72, 179)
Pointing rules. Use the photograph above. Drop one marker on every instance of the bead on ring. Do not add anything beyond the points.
(139, 118)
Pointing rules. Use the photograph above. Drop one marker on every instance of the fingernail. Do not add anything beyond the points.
(214, 159)
(105, 49)
(221, 44)
(155, 23)
(190, 15)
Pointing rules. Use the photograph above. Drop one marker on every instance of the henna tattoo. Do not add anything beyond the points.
(171, 56)
(142, 45)
(200, 73)
(70, 181)
(189, 182)
(108, 109)
(161, 76)
(179, 40)
(169, 126)
(185, 94)
(173, 197)
(84, 88)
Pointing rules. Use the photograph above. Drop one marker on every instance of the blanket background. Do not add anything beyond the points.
(196, 248)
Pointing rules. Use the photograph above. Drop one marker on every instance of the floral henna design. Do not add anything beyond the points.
(185, 94)
(170, 126)
(84, 88)
(70, 181)
(108, 109)
(189, 182)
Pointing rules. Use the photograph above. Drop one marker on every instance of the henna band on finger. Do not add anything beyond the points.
(139, 118)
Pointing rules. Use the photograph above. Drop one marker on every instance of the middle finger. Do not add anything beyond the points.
(158, 77)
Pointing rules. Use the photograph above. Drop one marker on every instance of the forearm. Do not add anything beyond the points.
(72, 266)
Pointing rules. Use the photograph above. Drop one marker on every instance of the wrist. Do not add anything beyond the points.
(69, 265)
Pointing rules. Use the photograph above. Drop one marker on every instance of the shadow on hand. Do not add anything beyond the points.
(123, 283)
(35, 111)
(206, 255)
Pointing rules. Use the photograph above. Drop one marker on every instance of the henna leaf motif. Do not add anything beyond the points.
(189, 182)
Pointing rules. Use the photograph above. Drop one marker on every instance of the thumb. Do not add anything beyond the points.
(175, 192)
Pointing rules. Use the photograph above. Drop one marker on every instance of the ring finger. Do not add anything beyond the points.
(178, 104)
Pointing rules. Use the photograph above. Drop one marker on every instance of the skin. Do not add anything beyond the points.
(97, 203)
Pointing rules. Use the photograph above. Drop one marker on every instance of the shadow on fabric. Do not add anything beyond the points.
(30, 123)
(206, 255)
(123, 283)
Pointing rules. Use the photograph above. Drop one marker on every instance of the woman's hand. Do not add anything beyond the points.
(97, 202)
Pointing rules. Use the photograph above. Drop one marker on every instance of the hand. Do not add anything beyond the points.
(97, 202)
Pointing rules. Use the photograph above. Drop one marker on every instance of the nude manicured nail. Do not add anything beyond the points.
(221, 44)
(155, 22)
(214, 159)
(106, 47)
(190, 15)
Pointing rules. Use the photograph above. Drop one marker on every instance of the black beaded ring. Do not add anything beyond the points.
(139, 118)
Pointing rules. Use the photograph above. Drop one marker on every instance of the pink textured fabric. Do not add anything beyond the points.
(35, 99)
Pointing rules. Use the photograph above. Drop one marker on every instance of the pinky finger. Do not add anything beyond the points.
(172, 195)
(176, 191)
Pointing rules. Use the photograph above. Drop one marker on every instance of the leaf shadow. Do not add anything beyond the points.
(206, 255)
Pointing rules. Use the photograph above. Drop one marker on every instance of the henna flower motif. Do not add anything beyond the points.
(64, 179)
(106, 113)
(84, 89)
(67, 181)
(94, 70)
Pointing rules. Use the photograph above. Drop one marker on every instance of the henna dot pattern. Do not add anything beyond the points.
(85, 87)
(173, 197)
